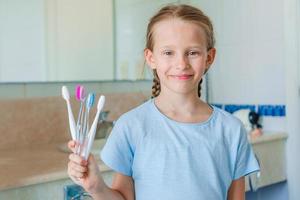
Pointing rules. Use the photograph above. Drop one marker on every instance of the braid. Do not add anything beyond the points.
(199, 87)
(156, 85)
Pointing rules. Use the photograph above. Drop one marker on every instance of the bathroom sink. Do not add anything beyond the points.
(96, 148)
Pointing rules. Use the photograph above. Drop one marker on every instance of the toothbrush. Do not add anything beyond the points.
(80, 96)
(89, 104)
(66, 96)
(91, 134)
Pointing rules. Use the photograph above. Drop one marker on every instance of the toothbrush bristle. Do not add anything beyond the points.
(101, 102)
(65, 92)
(78, 88)
(82, 93)
(90, 100)
(93, 99)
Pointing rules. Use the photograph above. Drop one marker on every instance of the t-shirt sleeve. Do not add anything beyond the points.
(117, 152)
(246, 162)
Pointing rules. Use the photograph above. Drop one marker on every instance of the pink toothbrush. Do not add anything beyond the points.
(80, 96)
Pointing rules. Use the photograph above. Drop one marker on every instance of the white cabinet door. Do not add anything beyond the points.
(46, 191)
(271, 156)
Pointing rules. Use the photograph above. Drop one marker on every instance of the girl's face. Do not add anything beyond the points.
(179, 55)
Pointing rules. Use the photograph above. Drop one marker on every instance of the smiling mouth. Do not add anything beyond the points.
(183, 77)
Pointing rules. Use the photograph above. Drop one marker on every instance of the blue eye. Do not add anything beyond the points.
(168, 53)
(193, 53)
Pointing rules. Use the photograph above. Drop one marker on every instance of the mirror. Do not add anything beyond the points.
(74, 40)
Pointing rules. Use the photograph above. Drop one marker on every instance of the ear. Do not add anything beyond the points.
(148, 54)
(210, 57)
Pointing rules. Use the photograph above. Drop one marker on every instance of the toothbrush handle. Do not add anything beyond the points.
(81, 130)
(78, 127)
(71, 121)
(85, 122)
(79, 115)
(84, 133)
(91, 135)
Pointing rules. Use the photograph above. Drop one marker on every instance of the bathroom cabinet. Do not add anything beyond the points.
(270, 152)
(46, 191)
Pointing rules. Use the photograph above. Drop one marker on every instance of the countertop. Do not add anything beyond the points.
(269, 136)
(32, 165)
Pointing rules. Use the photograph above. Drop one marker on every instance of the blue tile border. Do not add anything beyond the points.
(271, 110)
(262, 110)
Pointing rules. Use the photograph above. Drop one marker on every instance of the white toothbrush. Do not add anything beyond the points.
(92, 132)
(66, 96)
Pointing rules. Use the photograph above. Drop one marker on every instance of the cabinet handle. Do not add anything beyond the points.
(254, 180)
(258, 173)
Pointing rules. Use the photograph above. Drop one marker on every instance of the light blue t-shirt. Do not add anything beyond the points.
(170, 160)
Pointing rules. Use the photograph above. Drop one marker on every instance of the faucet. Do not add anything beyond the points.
(103, 127)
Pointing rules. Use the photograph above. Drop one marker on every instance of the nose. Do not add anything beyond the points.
(182, 62)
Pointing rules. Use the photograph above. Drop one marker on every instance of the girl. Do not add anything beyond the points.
(174, 146)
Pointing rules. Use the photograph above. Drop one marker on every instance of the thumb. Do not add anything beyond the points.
(92, 163)
(93, 178)
(93, 168)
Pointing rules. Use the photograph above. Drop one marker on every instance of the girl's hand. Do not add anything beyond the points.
(84, 173)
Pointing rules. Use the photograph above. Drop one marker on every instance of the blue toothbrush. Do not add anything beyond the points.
(85, 125)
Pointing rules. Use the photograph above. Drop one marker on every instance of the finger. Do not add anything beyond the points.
(77, 159)
(77, 167)
(74, 172)
(72, 145)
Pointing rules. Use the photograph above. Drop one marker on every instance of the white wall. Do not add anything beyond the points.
(292, 65)
(250, 47)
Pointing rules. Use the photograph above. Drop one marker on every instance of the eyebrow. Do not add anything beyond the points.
(190, 47)
(168, 46)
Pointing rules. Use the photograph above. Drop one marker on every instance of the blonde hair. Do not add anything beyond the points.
(185, 13)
